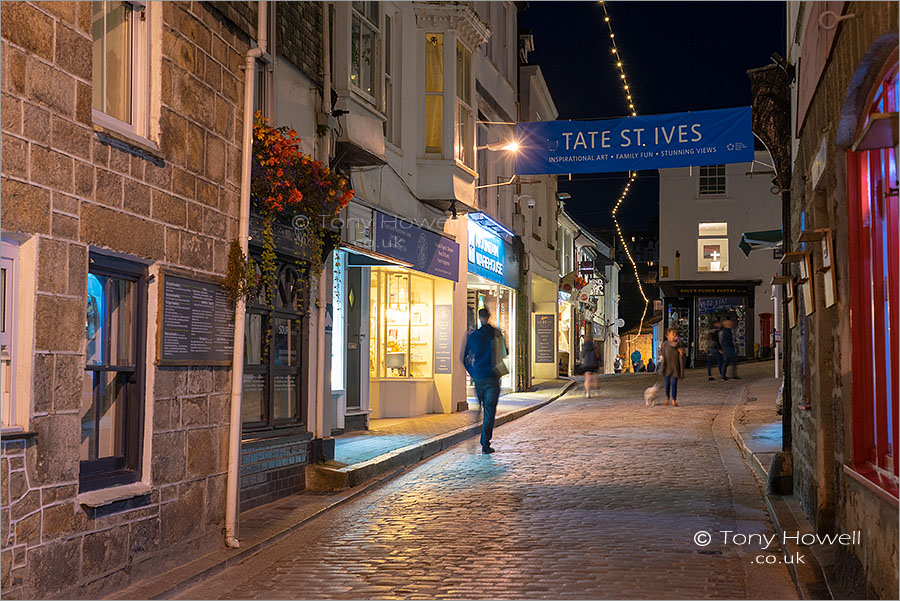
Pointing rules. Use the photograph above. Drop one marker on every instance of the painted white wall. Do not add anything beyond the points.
(747, 206)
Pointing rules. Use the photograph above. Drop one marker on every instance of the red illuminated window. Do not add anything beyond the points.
(875, 310)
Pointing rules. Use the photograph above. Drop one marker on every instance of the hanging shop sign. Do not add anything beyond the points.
(424, 250)
(489, 255)
(197, 323)
(635, 143)
(586, 268)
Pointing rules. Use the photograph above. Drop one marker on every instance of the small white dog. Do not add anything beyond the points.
(651, 395)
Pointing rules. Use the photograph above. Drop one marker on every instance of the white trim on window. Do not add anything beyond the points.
(138, 128)
(712, 181)
(9, 289)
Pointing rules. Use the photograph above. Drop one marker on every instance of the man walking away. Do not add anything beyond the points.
(728, 349)
(483, 359)
(713, 349)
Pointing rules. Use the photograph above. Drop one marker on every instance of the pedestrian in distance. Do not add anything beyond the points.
(589, 362)
(636, 361)
(728, 349)
(617, 365)
(713, 349)
(483, 357)
(651, 367)
(671, 364)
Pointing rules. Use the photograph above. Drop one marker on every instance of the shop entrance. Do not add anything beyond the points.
(500, 301)
(355, 342)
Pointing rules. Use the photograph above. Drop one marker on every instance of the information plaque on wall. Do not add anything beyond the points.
(196, 323)
(443, 342)
(545, 338)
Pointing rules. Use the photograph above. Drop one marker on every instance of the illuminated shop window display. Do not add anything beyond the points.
(402, 324)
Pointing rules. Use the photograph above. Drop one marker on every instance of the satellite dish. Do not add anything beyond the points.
(620, 323)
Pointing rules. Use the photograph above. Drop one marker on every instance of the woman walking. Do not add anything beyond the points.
(671, 364)
(590, 362)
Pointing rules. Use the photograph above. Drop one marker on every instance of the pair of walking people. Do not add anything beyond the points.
(720, 349)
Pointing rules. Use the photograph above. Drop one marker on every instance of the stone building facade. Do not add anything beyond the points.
(843, 204)
(89, 202)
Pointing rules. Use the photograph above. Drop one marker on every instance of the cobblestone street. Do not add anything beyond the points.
(585, 498)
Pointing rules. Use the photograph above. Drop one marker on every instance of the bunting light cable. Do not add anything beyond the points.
(630, 101)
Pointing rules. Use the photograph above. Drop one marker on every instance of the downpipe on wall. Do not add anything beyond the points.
(237, 367)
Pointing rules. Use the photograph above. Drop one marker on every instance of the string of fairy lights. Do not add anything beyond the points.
(630, 101)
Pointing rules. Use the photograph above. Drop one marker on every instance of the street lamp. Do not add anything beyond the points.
(511, 146)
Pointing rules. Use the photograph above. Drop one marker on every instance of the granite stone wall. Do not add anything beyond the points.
(823, 432)
(69, 188)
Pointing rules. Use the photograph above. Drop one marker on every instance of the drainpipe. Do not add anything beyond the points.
(237, 368)
(322, 300)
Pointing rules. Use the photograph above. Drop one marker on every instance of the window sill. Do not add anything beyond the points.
(110, 132)
(882, 487)
(17, 433)
(108, 496)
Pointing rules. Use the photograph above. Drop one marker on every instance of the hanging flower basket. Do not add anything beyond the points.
(286, 184)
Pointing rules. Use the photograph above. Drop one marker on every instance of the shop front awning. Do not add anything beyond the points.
(764, 240)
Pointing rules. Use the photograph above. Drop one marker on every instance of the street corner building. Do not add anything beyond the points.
(120, 195)
(840, 279)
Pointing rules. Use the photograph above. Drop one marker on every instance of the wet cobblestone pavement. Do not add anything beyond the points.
(585, 498)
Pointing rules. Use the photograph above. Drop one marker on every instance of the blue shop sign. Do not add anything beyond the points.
(488, 254)
(697, 138)
(424, 250)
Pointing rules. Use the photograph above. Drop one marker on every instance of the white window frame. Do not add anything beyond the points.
(718, 180)
(377, 74)
(391, 39)
(720, 238)
(464, 154)
(10, 417)
(138, 129)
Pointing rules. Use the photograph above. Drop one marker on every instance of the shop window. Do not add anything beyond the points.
(364, 48)
(874, 290)
(434, 92)
(273, 354)
(712, 180)
(11, 421)
(465, 122)
(712, 309)
(111, 408)
(121, 83)
(403, 322)
(712, 251)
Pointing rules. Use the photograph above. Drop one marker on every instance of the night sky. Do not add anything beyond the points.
(678, 56)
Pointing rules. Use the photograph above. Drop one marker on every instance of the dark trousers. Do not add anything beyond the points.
(671, 384)
(730, 358)
(712, 358)
(488, 392)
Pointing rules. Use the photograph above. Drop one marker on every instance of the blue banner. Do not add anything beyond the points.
(426, 251)
(635, 143)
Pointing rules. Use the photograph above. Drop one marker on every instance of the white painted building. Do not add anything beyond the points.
(702, 213)
(535, 222)
(411, 81)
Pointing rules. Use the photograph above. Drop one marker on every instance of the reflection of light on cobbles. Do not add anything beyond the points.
(586, 498)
